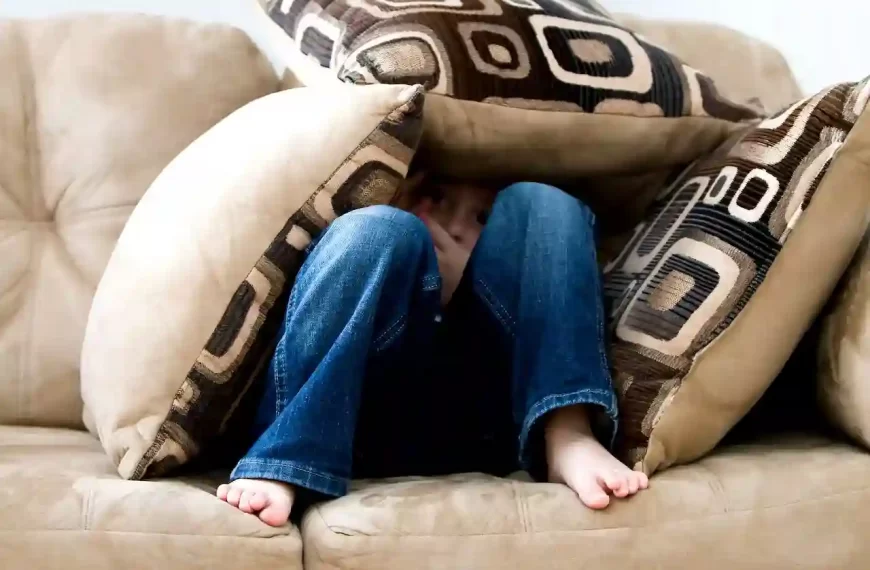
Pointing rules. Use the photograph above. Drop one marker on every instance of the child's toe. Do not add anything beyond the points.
(274, 515)
(222, 492)
(592, 494)
(257, 501)
(617, 483)
(245, 502)
(234, 495)
(277, 510)
(612, 481)
(622, 491)
(633, 484)
(644, 480)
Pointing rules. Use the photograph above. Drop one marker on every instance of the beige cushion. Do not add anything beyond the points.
(523, 89)
(729, 270)
(196, 289)
(62, 505)
(744, 68)
(782, 504)
(844, 351)
(92, 108)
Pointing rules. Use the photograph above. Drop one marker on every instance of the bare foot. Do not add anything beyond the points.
(270, 500)
(578, 460)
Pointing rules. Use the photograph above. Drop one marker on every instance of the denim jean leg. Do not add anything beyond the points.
(350, 300)
(535, 268)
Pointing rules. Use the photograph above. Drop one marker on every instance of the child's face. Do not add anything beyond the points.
(461, 208)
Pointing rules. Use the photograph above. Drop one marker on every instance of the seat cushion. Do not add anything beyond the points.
(62, 500)
(92, 108)
(786, 503)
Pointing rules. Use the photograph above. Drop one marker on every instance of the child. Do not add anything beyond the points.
(465, 336)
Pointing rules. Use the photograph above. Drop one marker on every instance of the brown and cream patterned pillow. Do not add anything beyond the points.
(526, 87)
(723, 278)
(188, 308)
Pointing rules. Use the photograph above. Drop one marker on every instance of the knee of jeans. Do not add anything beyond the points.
(382, 228)
(535, 198)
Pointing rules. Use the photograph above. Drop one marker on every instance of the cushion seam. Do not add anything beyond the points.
(311, 548)
(34, 153)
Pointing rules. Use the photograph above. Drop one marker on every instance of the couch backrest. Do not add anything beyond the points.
(743, 67)
(91, 110)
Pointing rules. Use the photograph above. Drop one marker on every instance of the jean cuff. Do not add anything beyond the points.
(292, 473)
(605, 399)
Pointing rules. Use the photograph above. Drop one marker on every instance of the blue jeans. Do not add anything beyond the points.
(371, 377)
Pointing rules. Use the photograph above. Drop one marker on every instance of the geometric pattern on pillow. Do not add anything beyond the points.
(699, 257)
(553, 55)
(242, 341)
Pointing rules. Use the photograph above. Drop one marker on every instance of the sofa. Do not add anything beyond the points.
(67, 185)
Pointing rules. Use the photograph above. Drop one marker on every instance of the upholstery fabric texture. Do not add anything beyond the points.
(63, 505)
(744, 68)
(215, 245)
(721, 281)
(742, 507)
(844, 348)
(79, 146)
(92, 108)
(523, 88)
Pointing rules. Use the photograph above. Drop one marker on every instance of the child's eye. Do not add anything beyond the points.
(482, 218)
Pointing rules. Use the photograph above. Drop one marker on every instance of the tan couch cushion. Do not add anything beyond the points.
(729, 270)
(92, 108)
(520, 88)
(744, 68)
(197, 286)
(844, 350)
(784, 504)
(62, 505)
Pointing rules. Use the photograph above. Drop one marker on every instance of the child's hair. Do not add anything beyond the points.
(422, 182)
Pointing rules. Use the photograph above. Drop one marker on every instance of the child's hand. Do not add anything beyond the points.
(452, 258)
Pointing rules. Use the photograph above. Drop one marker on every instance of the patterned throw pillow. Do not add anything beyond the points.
(184, 317)
(720, 282)
(526, 87)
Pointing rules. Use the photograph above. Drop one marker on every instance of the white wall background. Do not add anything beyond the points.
(825, 42)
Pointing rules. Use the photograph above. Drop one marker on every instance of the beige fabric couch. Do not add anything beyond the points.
(91, 110)
(802, 501)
